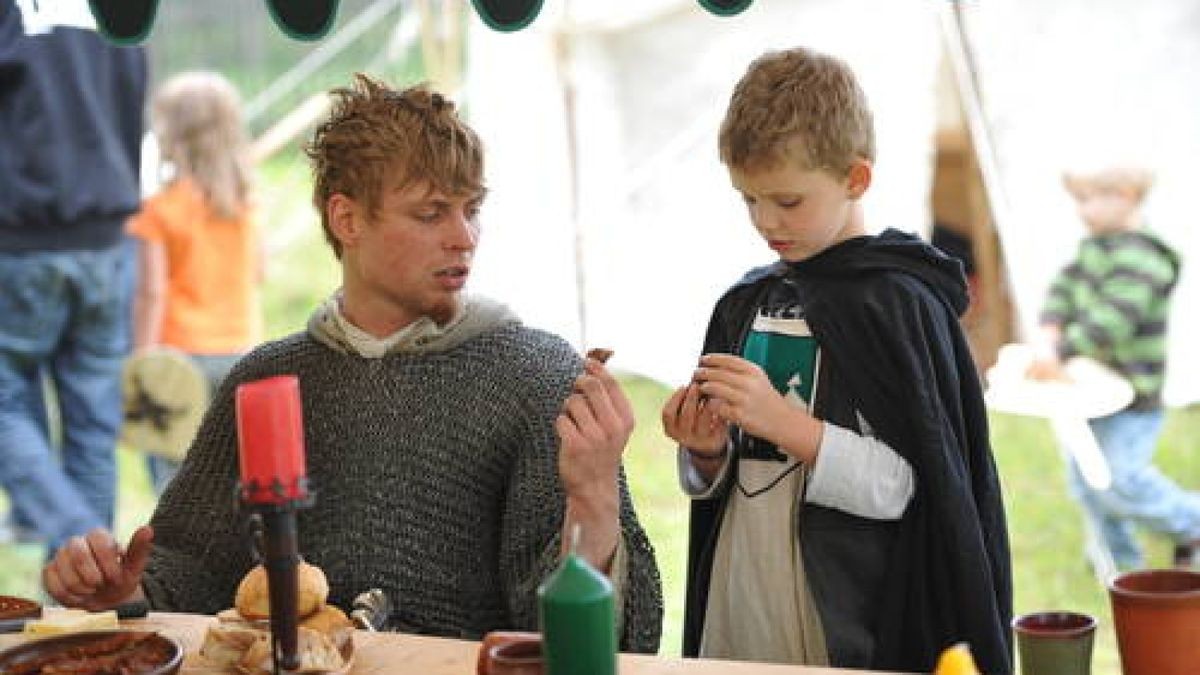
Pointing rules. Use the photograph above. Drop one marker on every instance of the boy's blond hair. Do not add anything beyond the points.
(375, 131)
(1122, 177)
(197, 119)
(797, 105)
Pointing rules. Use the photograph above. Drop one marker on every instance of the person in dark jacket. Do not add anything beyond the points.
(71, 109)
(846, 507)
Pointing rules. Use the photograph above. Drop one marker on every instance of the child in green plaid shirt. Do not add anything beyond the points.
(1111, 303)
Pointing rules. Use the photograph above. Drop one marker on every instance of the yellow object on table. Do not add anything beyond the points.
(956, 660)
(59, 621)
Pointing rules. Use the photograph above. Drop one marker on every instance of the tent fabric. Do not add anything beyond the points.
(623, 233)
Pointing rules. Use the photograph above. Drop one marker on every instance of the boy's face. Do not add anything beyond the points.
(801, 212)
(1106, 208)
(413, 256)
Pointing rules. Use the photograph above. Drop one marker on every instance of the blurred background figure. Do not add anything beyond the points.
(201, 259)
(71, 108)
(1111, 303)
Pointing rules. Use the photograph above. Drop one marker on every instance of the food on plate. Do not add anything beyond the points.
(226, 644)
(71, 621)
(600, 354)
(253, 602)
(241, 640)
(12, 607)
(99, 654)
(328, 620)
(316, 651)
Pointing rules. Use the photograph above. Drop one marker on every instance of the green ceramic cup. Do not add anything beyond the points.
(1055, 643)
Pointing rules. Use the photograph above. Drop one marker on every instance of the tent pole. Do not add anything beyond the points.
(562, 56)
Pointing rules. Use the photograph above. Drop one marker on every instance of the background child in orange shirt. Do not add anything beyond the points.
(201, 257)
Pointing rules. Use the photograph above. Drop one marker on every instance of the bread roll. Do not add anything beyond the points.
(226, 644)
(331, 621)
(253, 601)
(316, 652)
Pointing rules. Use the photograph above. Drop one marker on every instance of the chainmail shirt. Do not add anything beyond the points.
(435, 477)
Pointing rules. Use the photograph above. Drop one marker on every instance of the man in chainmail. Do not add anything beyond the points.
(450, 447)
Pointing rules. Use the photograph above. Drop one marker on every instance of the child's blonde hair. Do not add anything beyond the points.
(1121, 177)
(375, 130)
(197, 118)
(798, 105)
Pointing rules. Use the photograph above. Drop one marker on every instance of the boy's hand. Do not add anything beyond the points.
(692, 421)
(742, 394)
(93, 573)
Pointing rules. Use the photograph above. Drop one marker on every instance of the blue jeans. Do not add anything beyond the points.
(214, 367)
(1140, 494)
(64, 319)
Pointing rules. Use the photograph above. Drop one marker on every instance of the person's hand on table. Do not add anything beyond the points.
(92, 572)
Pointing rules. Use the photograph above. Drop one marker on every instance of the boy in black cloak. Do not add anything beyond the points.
(846, 507)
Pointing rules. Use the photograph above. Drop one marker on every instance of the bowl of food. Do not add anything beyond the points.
(12, 607)
(95, 652)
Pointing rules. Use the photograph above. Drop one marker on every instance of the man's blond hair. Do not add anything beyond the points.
(375, 131)
(797, 105)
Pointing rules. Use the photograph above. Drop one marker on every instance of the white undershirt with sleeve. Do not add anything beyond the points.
(855, 473)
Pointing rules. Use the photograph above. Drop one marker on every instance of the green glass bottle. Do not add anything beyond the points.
(575, 609)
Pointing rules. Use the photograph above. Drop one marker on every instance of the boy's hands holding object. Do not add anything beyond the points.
(691, 420)
(740, 393)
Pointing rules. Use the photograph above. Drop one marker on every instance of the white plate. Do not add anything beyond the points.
(1090, 390)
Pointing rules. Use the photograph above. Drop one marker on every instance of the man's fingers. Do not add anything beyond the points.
(580, 414)
(83, 563)
(138, 552)
(568, 433)
(107, 555)
(57, 589)
(616, 394)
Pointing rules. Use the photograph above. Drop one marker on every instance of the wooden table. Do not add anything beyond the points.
(397, 653)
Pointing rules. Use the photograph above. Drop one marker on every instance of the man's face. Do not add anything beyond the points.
(412, 257)
(800, 212)
(1106, 208)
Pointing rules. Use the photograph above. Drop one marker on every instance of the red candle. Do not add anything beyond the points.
(271, 441)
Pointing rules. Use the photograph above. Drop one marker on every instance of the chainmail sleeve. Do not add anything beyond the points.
(201, 544)
(531, 525)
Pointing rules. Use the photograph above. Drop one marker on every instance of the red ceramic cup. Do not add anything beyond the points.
(502, 638)
(521, 657)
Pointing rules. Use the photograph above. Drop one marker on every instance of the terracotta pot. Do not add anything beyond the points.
(1157, 617)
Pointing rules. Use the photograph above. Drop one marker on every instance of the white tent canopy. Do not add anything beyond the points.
(662, 233)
